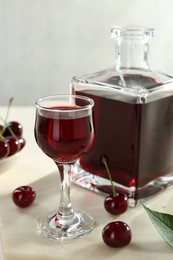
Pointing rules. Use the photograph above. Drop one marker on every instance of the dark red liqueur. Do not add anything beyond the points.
(136, 139)
(64, 139)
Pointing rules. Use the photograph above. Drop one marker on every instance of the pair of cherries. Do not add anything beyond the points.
(116, 233)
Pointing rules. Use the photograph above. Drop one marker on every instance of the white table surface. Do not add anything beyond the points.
(33, 167)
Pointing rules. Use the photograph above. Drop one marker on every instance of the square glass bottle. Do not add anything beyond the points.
(133, 119)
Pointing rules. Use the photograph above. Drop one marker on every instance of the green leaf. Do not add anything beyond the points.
(163, 223)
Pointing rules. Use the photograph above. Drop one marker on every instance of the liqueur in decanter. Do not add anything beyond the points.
(133, 120)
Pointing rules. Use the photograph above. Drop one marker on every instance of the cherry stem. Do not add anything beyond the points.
(6, 118)
(8, 108)
(109, 175)
(1, 137)
(2, 120)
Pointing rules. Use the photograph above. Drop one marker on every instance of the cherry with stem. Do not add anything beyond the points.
(117, 202)
(6, 116)
(5, 122)
(11, 140)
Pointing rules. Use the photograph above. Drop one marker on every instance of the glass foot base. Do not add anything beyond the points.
(81, 226)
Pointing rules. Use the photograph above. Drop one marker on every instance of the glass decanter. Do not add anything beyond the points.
(133, 119)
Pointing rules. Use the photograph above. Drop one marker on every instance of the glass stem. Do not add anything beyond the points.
(65, 215)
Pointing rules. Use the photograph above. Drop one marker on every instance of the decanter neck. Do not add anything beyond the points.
(132, 44)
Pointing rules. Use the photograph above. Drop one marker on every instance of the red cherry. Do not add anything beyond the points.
(117, 204)
(116, 234)
(23, 196)
(13, 144)
(16, 127)
(22, 142)
(4, 149)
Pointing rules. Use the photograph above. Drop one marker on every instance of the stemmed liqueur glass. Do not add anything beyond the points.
(64, 132)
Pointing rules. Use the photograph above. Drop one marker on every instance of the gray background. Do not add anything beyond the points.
(43, 43)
